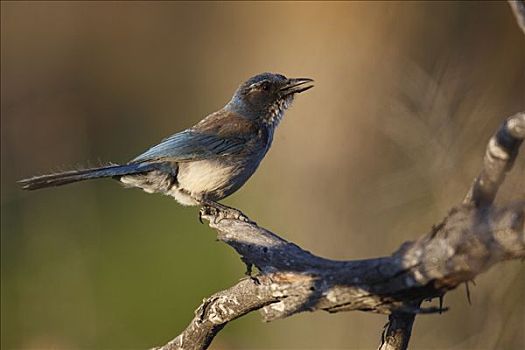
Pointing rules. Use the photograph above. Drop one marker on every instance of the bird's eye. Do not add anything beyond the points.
(265, 85)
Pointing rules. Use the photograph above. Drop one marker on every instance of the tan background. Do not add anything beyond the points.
(406, 96)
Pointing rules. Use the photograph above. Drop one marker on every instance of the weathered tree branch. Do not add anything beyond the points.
(397, 331)
(500, 155)
(219, 309)
(471, 239)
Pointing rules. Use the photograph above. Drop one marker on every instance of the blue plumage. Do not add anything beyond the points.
(209, 161)
(192, 145)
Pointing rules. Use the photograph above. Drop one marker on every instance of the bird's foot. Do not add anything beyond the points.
(221, 212)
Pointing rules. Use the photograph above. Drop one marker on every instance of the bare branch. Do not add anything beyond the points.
(397, 331)
(219, 309)
(293, 280)
(500, 155)
(470, 240)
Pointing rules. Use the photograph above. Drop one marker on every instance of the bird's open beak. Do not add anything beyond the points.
(296, 85)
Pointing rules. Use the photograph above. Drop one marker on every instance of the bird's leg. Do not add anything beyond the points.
(220, 211)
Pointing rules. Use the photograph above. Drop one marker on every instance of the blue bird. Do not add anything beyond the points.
(209, 161)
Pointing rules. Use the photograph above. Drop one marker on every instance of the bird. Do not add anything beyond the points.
(209, 161)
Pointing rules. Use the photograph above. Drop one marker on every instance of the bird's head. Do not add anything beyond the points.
(266, 96)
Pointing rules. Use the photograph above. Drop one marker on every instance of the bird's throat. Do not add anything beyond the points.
(276, 111)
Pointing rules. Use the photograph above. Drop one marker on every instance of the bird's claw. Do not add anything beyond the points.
(221, 212)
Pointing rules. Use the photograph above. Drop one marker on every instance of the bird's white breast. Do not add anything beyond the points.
(213, 178)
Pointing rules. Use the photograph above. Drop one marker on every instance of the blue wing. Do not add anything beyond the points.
(192, 145)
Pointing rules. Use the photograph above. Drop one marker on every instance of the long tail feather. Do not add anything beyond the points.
(67, 177)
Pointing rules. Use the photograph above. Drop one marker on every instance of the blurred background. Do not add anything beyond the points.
(406, 97)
